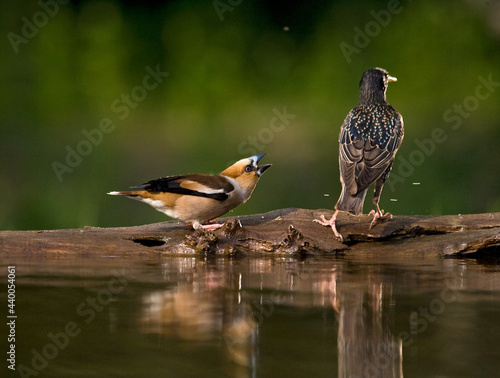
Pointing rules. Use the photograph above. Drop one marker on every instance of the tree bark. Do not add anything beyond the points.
(280, 232)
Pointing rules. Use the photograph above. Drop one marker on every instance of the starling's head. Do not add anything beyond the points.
(373, 85)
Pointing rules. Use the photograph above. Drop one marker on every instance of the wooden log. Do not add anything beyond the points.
(281, 232)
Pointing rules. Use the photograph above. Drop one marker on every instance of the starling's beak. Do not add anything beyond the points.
(392, 78)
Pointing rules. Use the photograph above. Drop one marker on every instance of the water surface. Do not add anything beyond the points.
(338, 316)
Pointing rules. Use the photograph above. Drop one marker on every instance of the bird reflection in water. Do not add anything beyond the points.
(229, 303)
(366, 346)
(203, 310)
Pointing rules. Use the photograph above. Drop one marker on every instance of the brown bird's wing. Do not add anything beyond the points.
(216, 187)
(368, 141)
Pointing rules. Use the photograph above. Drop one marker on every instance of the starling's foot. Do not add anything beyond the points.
(322, 221)
(379, 214)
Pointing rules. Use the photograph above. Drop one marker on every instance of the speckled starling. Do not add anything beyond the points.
(369, 139)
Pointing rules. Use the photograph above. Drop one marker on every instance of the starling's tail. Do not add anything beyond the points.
(349, 203)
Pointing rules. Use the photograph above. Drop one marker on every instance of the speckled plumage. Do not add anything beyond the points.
(375, 122)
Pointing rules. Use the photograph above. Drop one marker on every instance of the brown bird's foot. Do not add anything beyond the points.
(208, 226)
(331, 223)
(379, 214)
(211, 226)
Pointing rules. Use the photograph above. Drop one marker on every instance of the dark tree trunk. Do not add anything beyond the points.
(279, 232)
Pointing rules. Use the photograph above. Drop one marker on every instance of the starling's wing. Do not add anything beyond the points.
(381, 145)
(200, 185)
(350, 150)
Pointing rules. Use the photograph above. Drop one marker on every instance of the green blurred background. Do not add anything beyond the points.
(232, 65)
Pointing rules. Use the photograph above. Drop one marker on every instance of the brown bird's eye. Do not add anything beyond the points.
(248, 168)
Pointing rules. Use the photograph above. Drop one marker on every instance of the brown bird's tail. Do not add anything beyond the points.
(352, 204)
(137, 195)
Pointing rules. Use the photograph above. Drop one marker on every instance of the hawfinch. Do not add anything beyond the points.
(200, 198)
(369, 139)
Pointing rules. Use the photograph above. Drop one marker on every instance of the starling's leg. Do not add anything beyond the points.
(379, 214)
(322, 221)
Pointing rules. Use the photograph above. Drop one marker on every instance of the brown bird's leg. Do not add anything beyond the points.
(322, 221)
(379, 214)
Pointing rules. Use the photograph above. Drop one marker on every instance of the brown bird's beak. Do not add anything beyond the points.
(392, 78)
(262, 169)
